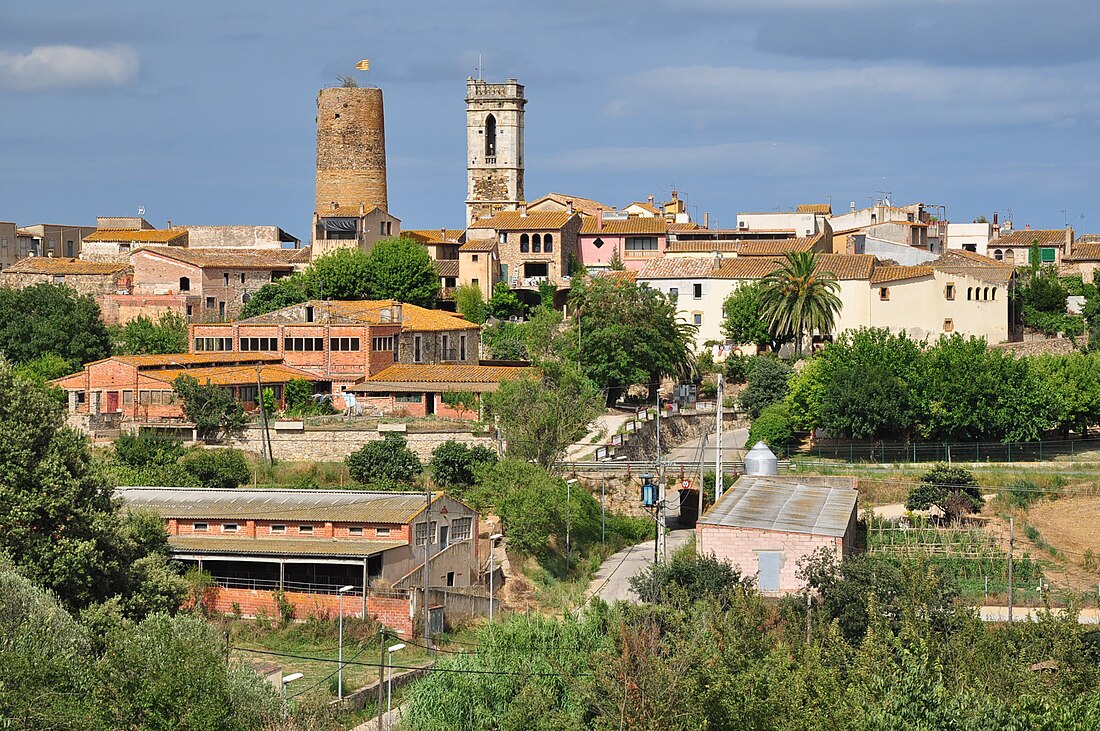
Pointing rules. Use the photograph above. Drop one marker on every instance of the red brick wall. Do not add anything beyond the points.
(111, 376)
(393, 612)
(262, 529)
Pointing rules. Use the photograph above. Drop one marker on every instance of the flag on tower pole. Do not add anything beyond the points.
(363, 65)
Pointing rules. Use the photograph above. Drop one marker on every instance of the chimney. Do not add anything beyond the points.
(706, 219)
(523, 209)
(599, 219)
(443, 234)
(995, 214)
(1027, 227)
(569, 206)
(852, 207)
(650, 199)
(169, 224)
(1069, 241)
(675, 195)
(362, 208)
(335, 205)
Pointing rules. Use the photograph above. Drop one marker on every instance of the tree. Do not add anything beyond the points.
(225, 469)
(212, 409)
(505, 340)
(343, 274)
(504, 303)
(530, 502)
(744, 324)
(687, 577)
(798, 299)
(774, 428)
(59, 524)
(470, 303)
(951, 489)
(615, 263)
(142, 336)
(629, 334)
(48, 318)
(384, 462)
(453, 464)
(281, 293)
(767, 384)
(400, 269)
(540, 417)
(805, 393)
(148, 447)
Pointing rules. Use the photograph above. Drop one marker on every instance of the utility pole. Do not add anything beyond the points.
(702, 466)
(662, 520)
(718, 444)
(809, 608)
(381, 654)
(427, 559)
(266, 438)
(1011, 546)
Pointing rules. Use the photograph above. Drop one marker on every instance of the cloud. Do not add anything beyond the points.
(48, 68)
(773, 157)
(882, 96)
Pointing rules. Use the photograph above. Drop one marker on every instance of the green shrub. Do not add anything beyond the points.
(453, 463)
(148, 447)
(774, 428)
(767, 383)
(221, 468)
(952, 489)
(384, 462)
(1021, 493)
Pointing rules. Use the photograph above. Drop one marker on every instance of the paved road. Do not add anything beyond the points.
(611, 582)
(606, 424)
(733, 448)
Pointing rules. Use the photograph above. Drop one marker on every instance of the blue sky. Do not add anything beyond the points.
(203, 112)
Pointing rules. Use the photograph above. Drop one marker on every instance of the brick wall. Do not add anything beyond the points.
(393, 612)
(322, 530)
(119, 309)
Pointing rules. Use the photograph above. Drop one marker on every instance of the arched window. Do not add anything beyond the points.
(524, 243)
(185, 284)
(536, 244)
(994, 294)
(999, 255)
(986, 295)
(548, 243)
(1010, 256)
(969, 293)
(490, 136)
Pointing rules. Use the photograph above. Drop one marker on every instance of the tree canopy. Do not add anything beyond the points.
(797, 299)
(384, 462)
(400, 269)
(212, 409)
(744, 323)
(143, 336)
(51, 319)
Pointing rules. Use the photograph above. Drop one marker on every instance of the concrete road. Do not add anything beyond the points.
(733, 448)
(612, 581)
(605, 424)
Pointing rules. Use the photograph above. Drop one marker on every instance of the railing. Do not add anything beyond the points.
(257, 584)
(882, 452)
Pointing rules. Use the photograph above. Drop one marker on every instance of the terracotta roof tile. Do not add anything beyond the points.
(645, 206)
(825, 208)
(847, 266)
(235, 375)
(678, 268)
(168, 359)
(632, 225)
(689, 226)
(772, 247)
(459, 374)
(514, 221)
(628, 275)
(480, 245)
(1025, 237)
(349, 211)
(369, 312)
(60, 265)
(883, 274)
(587, 206)
(1088, 251)
(447, 267)
(229, 258)
(752, 267)
(702, 247)
(133, 235)
(435, 235)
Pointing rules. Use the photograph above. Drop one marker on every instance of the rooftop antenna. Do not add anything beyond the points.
(885, 196)
(141, 210)
(480, 68)
(1065, 218)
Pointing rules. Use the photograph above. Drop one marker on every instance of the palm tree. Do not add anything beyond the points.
(798, 299)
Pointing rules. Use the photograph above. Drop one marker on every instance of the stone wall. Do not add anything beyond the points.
(94, 284)
(333, 445)
(351, 148)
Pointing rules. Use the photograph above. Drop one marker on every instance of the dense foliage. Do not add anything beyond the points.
(470, 303)
(385, 462)
(774, 427)
(744, 322)
(454, 464)
(1042, 295)
(766, 384)
(143, 336)
(954, 490)
(212, 409)
(873, 384)
(225, 469)
(51, 319)
(798, 300)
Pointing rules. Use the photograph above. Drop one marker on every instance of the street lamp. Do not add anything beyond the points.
(340, 652)
(568, 518)
(287, 681)
(389, 681)
(492, 570)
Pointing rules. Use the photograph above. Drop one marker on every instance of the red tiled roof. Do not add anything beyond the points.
(479, 245)
(1025, 237)
(134, 235)
(230, 258)
(515, 221)
(587, 206)
(632, 225)
(883, 274)
(772, 247)
(447, 267)
(60, 265)
(678, 268)
(825, 208)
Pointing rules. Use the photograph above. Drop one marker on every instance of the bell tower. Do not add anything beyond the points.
(494, 147)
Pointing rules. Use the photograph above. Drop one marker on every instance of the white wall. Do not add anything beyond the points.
(961, 235)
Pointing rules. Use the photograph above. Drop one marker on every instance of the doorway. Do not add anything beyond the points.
(112, 402)
(429, 404)
(444, 531)
(770, 562)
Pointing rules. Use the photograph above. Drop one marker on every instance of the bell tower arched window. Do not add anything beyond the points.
(490, 136)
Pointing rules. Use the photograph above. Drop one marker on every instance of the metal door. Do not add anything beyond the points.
(112, 402)
(769, 563)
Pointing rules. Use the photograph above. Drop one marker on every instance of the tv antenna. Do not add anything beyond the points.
(480, 68)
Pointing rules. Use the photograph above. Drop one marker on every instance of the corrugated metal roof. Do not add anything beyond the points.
(785, 504)
(324, 505)
(280, 546)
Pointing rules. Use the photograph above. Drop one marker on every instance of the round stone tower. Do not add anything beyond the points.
(351, 149)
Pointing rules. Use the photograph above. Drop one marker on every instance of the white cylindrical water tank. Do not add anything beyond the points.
(761, 461)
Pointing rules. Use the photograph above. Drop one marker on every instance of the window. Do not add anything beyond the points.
(490, 138)
(209, 301)
(408, 398)
(127, 398)
(475, 257)
(200, 527)
(985, 294)
(225, 277)
(417, 352)
(259, 344)
(948, 325)
(673, 292)
(536, 244)
(884, 294)
(382, 344)
(70, 249)
(230, 527)
(598, 243)
(213, 345)
(524, 243)
(190, 311)
(548, 243)
(475, 282)
(999, 254)
(380, 532)
(450, 578)
(281, 529)
(309, 313)
(221, 310)
(59, 279)
(355, 530)
(423, 530)
(949, 291)
(303, 344)
(461, 529)
(994, 294)
(450, 282)
(446, 350)
(503, 240)
(697, 291)
(972, 248)
(242, 277)
(969, 293)
(305, 530)
(344, 344)
(641, 243)
(697, 318)
(462, 347)
(1047, 255)
(185, 284)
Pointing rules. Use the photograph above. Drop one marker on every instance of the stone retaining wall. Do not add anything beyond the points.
(333, 445)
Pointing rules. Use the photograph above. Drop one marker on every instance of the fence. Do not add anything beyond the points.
(882, 452)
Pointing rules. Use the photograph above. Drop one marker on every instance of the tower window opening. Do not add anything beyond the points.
(490, 136)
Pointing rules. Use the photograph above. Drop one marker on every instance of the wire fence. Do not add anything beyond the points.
(915, 452)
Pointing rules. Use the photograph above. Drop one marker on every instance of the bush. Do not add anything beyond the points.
(766, 384)
(384, 462)
(453, 464)
(951, 489)
(774, 428)
(1021, 493)
(226, 469)
(147, 448)
(737, 368)
(687, 577)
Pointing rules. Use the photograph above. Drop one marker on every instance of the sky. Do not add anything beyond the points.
(203, 112)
